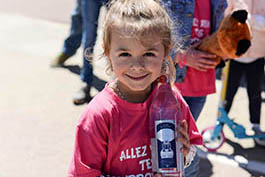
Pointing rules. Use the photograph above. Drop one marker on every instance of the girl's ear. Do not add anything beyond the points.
(172, 70)
(110, 63)
(167, 51)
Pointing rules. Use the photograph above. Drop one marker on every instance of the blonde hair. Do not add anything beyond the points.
(137, 19)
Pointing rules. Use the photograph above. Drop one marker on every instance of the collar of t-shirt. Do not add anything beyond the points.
(128, 105)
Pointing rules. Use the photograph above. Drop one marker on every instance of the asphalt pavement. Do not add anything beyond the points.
(38, 118)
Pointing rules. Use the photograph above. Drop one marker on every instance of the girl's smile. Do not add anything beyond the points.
(137, 78)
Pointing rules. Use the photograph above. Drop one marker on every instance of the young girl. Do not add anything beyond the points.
(112, 136)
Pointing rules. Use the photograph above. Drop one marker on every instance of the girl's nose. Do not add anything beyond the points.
(137, 63)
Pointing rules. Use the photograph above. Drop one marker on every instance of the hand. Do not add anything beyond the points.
(157, 175)
(184, 138)
(198, 59)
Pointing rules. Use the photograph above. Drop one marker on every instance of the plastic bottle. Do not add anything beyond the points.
(164, 116)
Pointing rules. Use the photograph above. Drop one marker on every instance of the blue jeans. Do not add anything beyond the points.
(196, 104)
(83, 30)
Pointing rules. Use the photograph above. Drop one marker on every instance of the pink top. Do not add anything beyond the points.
(112, 137)
(199, 83)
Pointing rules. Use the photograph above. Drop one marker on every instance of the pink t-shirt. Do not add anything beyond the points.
(199, 83)
(112, 137)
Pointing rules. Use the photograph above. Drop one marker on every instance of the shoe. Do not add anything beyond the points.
(260, 141)
(82, 96)
(257, 130)
(59, 60)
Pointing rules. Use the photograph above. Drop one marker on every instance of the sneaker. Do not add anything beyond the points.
(82, 96)
(257, 130)
(59, 60)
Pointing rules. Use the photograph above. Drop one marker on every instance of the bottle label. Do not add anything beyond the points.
(165, 142)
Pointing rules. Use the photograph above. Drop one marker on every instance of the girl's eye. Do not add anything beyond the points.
(149, 54)
(124, 54)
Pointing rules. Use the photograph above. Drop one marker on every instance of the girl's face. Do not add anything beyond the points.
(136, 66)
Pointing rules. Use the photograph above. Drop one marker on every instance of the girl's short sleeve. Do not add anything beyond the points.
(90, 148)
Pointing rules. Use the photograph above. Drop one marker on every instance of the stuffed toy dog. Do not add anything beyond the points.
(231, 40)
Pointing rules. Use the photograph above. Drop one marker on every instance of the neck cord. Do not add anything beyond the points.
(120, 94)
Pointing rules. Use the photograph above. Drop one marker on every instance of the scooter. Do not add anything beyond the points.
(213, 136)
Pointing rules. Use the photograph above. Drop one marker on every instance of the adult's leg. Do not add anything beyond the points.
(236, 70)
(196, 105)
(73, 41)
(255, 76)
(90, 14)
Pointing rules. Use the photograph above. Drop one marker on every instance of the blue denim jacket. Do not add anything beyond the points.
(181, 12)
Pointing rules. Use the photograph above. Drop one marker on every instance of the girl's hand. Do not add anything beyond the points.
(184, 137)
(200, 60)
(157, 175)
(197, 59)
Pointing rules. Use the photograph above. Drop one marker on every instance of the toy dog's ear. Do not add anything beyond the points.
(242, 46)
(240, 15)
